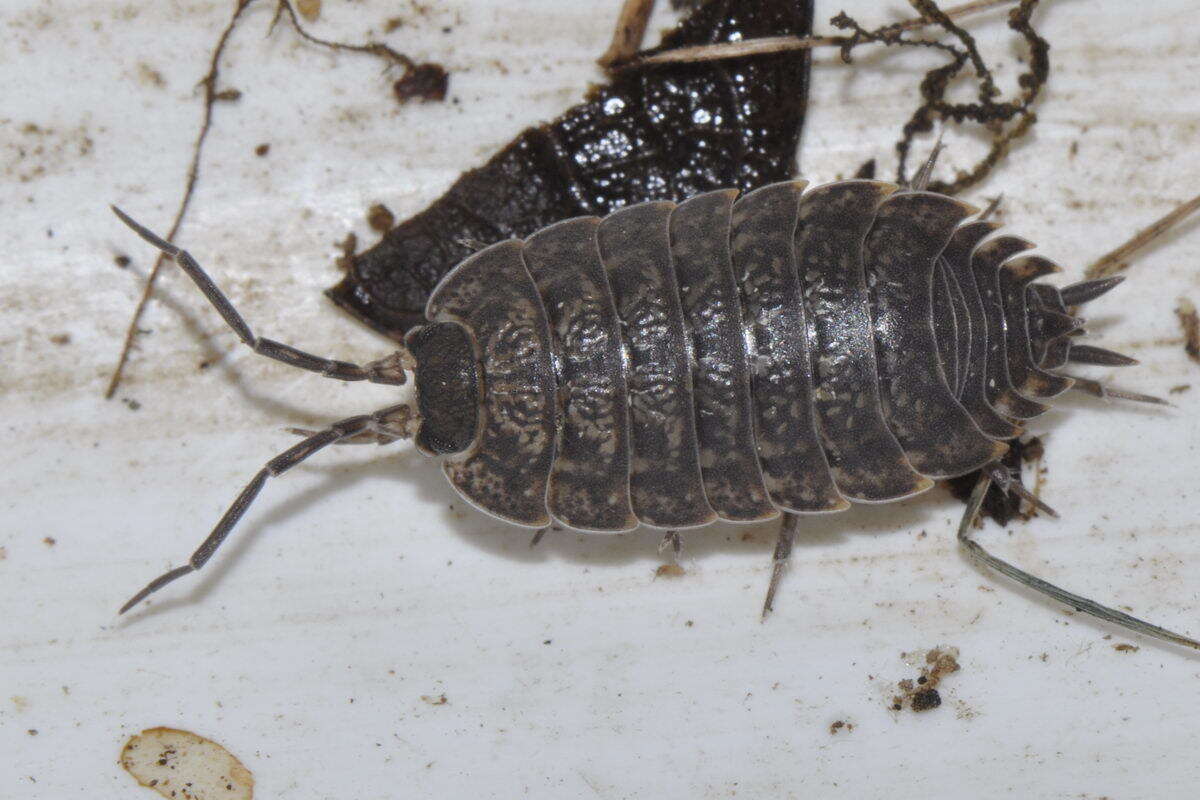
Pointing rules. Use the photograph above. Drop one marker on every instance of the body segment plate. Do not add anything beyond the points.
(794, 466)
(666, 485)
(720, 377)
(589, 482)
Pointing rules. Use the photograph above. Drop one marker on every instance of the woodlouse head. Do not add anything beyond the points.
(447, 386)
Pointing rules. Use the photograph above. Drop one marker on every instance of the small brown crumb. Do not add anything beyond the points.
(426, 82)
(121, 261)
(439, 700)
(670, 571)
(262, 149)
(32, 731)
(689, 624)
(60, 339)
(380, 218)
(228, 95)
(1126, 648)
(1180, 389)
(131, 404)
(393, 23)
(309, 9)
(839, 725)
(1190, 322)
(49, 541)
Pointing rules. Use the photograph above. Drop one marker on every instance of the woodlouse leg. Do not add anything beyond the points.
(672, 540)
(783, 551)
(344, 429)
(1083, 604)
(388, 370)
(992, 207)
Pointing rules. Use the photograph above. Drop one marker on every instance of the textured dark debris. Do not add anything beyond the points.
(425, 82)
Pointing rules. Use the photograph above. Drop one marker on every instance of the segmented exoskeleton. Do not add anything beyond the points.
(736, 358)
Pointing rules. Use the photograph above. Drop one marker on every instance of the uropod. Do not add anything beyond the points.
(784, 352)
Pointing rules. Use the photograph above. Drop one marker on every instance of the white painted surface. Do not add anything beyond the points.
(360, 582)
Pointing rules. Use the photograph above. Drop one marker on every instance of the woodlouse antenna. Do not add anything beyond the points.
(388, 424)
(389, 370)
(383, 426)
(1081, 604)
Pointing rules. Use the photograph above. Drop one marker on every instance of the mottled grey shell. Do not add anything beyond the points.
(734, 357)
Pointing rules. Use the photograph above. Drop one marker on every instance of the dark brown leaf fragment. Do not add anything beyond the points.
(664, 133)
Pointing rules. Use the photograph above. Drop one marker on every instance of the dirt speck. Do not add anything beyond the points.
(840, 725)
(262, 149)
(150, 76)
(425, 82)
(380, 218)
(131, 404)
(181, 764)
(49, 541)
(60, 339)
(670, 571)
(392, 24)
(1189, 321)
(122, 261)
(1126, 648)
(309, 9)
(3, 553)
(1180, 389)
(228, 95)
(434, 700)
(921, 693)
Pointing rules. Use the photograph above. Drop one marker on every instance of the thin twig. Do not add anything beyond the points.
(767, 45)
(1117, 260)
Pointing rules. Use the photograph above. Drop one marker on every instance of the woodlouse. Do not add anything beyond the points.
(785, 352)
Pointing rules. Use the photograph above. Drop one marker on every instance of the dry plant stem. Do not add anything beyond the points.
(627, 36)
(781, 44)
(1118, 259)
(209, 82)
